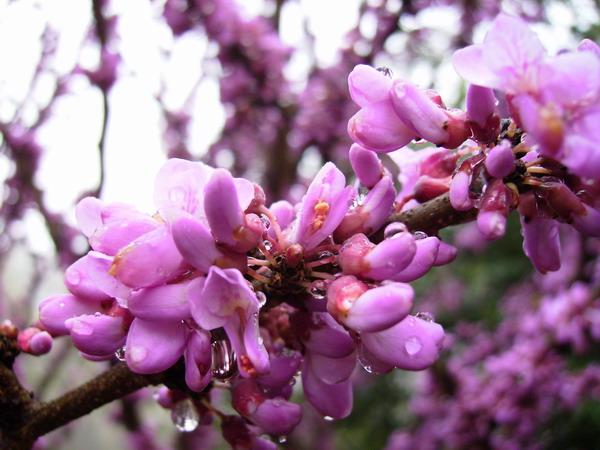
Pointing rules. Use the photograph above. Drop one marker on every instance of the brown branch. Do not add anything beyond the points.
(31, 420)
(429, 217)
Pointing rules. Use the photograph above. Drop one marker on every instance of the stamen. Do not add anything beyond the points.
(268, 255)
(323, 275)
(534, 162)
(275, 223)
(320, 262)
(258, 276)
(532, 182)
(257, 262)
(538, 169)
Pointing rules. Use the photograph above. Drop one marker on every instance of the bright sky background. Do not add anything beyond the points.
(157, 65)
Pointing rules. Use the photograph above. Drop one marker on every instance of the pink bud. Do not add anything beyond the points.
(377, 127)
(412, 344)
(366, 165)
(500, 161)
(424, 259)
(367, 85)
(97, 335)
(34, 341)
(422, 115)
(459, 191)
(78, 282)
(354, 305)
(56, 310)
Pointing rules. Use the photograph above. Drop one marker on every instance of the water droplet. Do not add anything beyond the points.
(262, 298)
(224, 364)
(413, 345)
(120, 353)
(386, 71)
(268, 244)
(393, 229)
(358, 201)
(265, 221)
(324, 255)
(370, 366)
(418, 235)
(424, 315)
(328, 418)
(185, 416)
(282, 439)
(61, 305)
(318, 289)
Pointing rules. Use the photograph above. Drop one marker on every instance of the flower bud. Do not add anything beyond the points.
(275, 416)
(195, 242)
(79, 283)
(34, 341)
(416, 109)
(424, 259)
(459, 191)
(152, 347)
(354, 305)
(377, 127)
(412, 344)
(97, 335)
(56, 310)
(367, 85)
(150, 260)
(366, 165)
(500, 161)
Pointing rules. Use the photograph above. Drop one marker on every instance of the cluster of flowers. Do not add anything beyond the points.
(250, 295)
(540, 155)
(507, 387)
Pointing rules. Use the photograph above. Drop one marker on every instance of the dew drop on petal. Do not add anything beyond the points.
(413, 345)
(268, 244)
(265, 221)
(224, 365)
(282, 439)
(318, 289)
(323, 255)
(393, 229)
(328, 418)
(370, 366)
(426, 316)
(185, 416)
(418, 235)
(262, 298)
(120, 353)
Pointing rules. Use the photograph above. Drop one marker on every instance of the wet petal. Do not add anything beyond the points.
(154, 346)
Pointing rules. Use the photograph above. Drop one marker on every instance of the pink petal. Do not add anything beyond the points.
(412, 344)
(195, 242)
(161, 303)
(154, 346)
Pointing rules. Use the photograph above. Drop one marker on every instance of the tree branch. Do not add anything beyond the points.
(36, 418)
(429, 217)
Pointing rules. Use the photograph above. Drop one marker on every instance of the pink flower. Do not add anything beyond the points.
(323, 208)
(225, 300)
